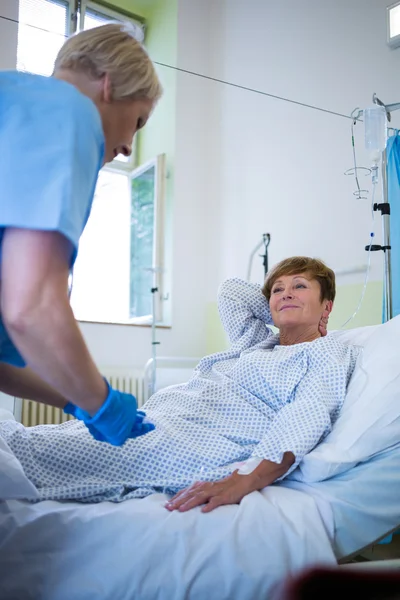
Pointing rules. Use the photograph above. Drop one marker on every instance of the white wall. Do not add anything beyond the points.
(281, 165)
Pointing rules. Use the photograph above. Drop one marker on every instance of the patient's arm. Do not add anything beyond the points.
(24, 383)
(267, 472)
(244, 312)
(298, 427)
(304, 421)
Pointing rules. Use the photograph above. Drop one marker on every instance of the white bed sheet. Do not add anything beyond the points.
(365, 501)
(138, 550)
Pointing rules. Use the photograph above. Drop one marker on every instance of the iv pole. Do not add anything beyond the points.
(154, 342)
(384, 209)
(266, 240)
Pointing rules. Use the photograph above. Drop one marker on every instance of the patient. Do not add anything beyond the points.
(262, 406)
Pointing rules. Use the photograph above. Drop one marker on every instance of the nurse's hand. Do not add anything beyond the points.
(116, 420)
(138, 430)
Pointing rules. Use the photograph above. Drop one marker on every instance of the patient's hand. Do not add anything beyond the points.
(232, 489)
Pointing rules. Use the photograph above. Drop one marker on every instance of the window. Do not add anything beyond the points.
(146, 260)
(43, 28)
(100, 290)
(120, 258)
(393, 25)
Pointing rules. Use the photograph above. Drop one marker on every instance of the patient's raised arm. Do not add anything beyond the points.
(244, 312)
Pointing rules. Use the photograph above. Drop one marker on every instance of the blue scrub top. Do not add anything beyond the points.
(51, 151)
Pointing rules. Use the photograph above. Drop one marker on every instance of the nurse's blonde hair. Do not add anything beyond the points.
(112, 49)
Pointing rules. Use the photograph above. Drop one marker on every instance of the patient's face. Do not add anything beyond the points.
(295, 300)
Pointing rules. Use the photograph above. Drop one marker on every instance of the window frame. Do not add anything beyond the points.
(71, 12)
(71, 17)
(159, 164)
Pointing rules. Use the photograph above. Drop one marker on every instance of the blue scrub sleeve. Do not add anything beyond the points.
(52, 145)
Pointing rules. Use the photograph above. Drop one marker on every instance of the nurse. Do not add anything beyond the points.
(55, 135)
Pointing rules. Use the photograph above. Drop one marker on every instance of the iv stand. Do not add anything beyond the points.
(154, 342)
(266, 240)
(387, 249)
(384, 209)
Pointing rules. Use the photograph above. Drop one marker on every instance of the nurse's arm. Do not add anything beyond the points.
(24, 383)
(37, 315)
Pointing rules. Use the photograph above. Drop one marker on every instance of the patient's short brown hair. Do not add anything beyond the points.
(296, 265)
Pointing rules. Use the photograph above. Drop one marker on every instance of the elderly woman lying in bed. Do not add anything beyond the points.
(258, 407)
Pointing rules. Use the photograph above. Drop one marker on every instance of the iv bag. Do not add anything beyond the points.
(375, 125)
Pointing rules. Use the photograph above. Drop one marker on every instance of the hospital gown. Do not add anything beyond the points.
(257, 399)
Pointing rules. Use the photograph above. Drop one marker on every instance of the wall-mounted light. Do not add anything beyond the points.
(393, 25)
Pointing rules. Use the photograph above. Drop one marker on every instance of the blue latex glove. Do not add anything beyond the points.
(139, 428)
(115, 421)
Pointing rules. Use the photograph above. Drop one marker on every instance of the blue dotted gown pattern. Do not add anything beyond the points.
(257, 399)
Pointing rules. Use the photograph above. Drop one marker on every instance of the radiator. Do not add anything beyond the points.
(34, 413)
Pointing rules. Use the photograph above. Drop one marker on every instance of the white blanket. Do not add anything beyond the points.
(138, 550)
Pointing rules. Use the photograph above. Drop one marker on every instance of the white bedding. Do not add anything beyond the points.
(365, 501)
(138, 550)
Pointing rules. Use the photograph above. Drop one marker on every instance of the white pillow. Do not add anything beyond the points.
(357, 337)
(13, 482)
(369, 421)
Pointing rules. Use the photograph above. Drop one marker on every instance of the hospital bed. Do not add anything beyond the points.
(168, 371)
(137, 549)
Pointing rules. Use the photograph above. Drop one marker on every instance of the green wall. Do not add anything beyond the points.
(215, 335)
(347, 299)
